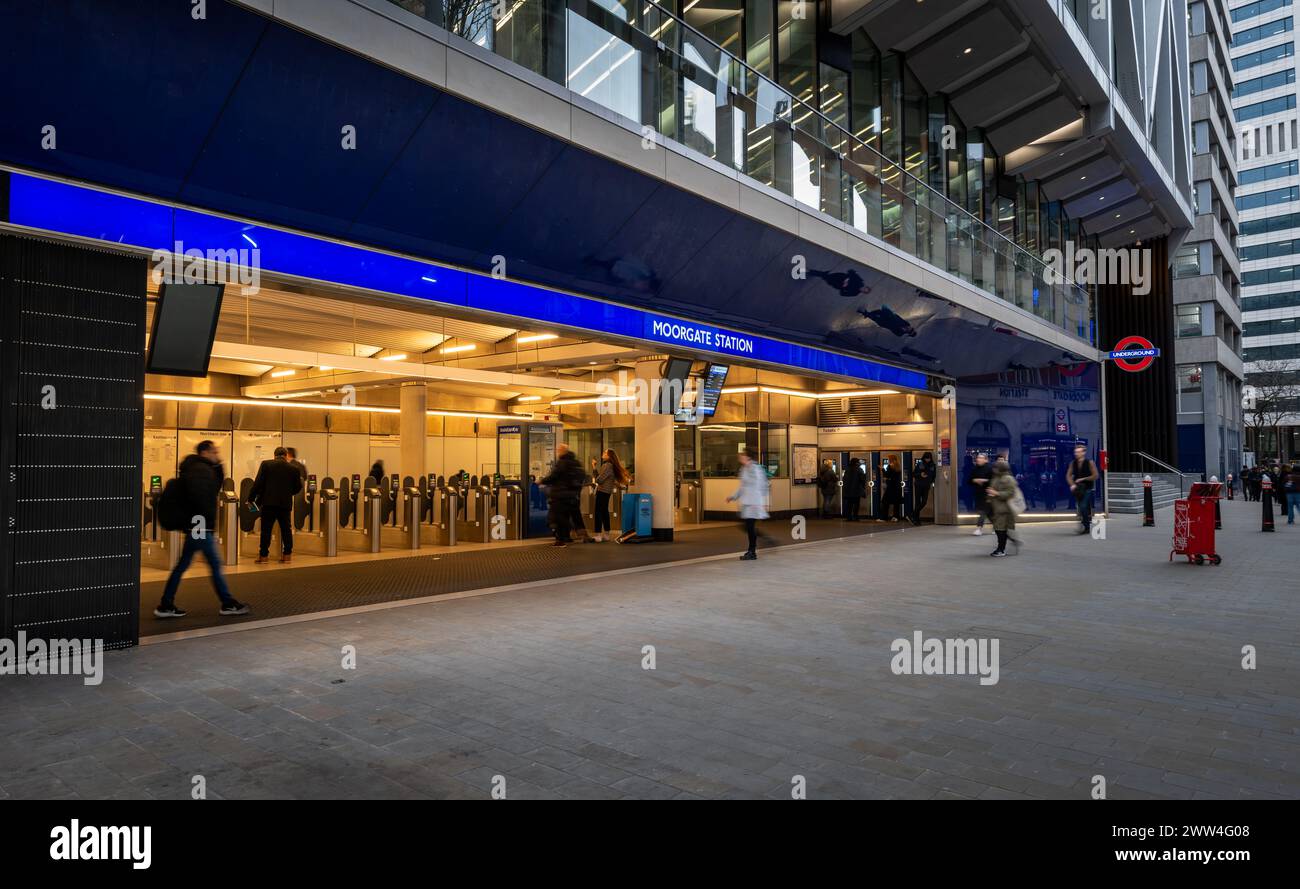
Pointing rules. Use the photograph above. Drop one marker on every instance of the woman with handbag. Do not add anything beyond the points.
(1006, 502)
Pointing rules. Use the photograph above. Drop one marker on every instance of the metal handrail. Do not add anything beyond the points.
(1163, 465)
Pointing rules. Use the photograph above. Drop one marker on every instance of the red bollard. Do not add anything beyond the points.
(1266, 495)
(1148, 507)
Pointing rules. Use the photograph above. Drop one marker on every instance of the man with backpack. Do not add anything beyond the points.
(193, 495)
(1081, 477)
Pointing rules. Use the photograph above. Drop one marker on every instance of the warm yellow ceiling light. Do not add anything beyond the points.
(283, 373)
(596, 400)
(467, 348)
(537, 337)
(529, 398)
(398, 357)
(322, 406)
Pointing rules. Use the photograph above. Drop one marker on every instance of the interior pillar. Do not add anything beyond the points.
(411, 428)
(654, 452)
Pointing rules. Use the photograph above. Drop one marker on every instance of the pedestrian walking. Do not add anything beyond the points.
(200, 476)
(1291, 489)
(828, 484)
(1006, 502)
(923, 476)
(855, 485)
(980, 476)
(273, 491)
(751, 495)
(892, 498)
(1082, 476)
(563, 489)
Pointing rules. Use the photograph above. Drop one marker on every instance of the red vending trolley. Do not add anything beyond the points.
(1194, 524)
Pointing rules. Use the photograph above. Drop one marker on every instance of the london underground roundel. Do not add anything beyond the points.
(1133, 354)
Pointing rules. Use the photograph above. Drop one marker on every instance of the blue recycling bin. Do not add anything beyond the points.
(638, 512)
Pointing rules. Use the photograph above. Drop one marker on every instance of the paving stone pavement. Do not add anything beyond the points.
(1114, 662)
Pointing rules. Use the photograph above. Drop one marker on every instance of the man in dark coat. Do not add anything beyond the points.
(981, 476)
(273, 491)
(892, 499)
(855, 485)
(201, 477)
(563, 488)
(923, 476)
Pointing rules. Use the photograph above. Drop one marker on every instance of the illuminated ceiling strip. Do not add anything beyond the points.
(773, 390)
(603, 398)
(323, 406)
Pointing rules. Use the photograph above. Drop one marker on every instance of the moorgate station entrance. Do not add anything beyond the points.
(424, 404)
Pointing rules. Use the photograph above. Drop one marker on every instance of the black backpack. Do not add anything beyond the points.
(174, 513)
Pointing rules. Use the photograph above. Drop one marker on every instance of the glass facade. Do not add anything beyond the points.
(831, 120)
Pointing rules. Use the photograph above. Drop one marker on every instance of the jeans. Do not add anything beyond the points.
(1292, 504)
(276, 515)
(602, 511)
(1083, 506)
(208, 544)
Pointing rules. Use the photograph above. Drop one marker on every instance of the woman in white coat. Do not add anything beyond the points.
(752, 495)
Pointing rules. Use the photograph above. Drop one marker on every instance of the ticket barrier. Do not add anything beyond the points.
(513, 506)
(163, 553)
(404, 530)
(443, 506)
(476, 524)
(150, 528)
(690, 502)
(228, 527)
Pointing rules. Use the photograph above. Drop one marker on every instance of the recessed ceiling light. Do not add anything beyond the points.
(466, 348)
(966, 51)
(1102, 198)
(1081, 178)
(529, 398)
(537, 337)
(1118, 215)
(397, 357)
(283, 373)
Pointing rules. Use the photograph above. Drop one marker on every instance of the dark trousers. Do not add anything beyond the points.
(1002, 541)
(602, 511)
(207, 544)
(892, 509)
(751, 529)
(985, 510)
(922, 498)
(276, 515)
(851, 505)
(1083, 506)
(563, 509)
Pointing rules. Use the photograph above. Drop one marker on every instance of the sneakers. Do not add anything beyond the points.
(979, 532)
(232, 608)
(166, 611)
(749, 557)
(998, 553)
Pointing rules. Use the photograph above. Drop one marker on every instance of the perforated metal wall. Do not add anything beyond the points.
(72, 370)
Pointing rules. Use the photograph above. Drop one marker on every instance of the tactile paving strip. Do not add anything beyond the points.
(282, 593)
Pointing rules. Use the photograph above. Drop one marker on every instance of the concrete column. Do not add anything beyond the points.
(411, 427)
(654, 452)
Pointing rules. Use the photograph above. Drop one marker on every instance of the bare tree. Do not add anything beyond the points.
(1269, 398)
(471, 19)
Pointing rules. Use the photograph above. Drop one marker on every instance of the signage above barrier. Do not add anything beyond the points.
(85, 212)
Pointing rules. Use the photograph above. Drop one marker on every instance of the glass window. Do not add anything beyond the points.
(796, 65)
(623, 440)
(1187, 261)
(604, 68)
(758, 36)
(722, 21)
(721, 444)
(1190, 398)
(775, 452)
(585, 444)
(1188, 321)
(835, 96)
(866, 90)
(684, 449)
